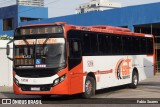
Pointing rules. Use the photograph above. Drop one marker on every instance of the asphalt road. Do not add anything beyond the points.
(149, 88)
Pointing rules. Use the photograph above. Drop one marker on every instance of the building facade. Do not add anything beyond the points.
(30, 2)
(140, 18)
(12, 16)
(97, 5)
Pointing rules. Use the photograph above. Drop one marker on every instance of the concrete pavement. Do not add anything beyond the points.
(149, 88)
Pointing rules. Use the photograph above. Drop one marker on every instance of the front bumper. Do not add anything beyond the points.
(44, 87)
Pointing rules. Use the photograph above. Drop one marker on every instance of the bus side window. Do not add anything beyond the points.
(86, 44)
(108, 46)
(116, 45)
(74, 49)
(143, 45)
(127, 45)
(104, 44)
(136, 45)
(149, 46)
(90, 45)
(94, 43)
(101, 41)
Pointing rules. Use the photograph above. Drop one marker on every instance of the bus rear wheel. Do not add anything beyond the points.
(89, 87)
(134, 80)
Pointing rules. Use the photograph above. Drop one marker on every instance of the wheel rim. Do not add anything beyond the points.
(88, 87)
(135, 79)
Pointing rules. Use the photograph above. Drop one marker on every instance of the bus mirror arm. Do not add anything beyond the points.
(8, 50)
(10, 58)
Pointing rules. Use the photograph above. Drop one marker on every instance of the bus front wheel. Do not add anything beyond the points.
(89, 87)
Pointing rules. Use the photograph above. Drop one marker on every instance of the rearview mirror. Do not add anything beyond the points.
(8, 50)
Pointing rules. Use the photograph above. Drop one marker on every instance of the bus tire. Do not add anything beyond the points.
(89, 87)
(135, 80)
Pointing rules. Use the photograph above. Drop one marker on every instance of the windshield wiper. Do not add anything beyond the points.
(46, 40)
(26, 42)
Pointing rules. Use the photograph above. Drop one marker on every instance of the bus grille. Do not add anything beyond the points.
(41, 87)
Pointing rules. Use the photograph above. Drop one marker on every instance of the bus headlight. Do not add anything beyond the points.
(16, 81)
(56, 81)
(59, 80)
(62, 78)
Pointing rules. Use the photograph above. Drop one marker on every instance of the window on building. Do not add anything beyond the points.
(8, 24)
(93, 5)
(82, 10)
(26, 19)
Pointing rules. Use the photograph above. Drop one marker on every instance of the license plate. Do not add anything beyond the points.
(35, 88)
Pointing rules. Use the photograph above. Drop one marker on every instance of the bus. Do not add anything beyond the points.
(64, 59)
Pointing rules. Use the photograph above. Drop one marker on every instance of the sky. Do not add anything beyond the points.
(58, 8)
(67, 7)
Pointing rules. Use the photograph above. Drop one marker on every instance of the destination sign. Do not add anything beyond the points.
(24, 62)
(39, 30)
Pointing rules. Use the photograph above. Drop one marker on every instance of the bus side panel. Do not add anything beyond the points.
(145, 66)
(76, 77)
(117, 70)
(105, 68)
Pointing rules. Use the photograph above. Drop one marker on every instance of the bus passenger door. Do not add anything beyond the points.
(75, 65)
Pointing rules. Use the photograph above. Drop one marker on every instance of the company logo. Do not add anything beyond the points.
(123, 69)
(6, 101)
(21, 101)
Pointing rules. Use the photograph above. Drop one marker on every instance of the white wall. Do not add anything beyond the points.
(100, 5)
(6, 78)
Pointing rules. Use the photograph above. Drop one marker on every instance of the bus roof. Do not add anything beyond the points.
(97, 28)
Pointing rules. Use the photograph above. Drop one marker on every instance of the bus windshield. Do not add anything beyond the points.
(40, 53)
